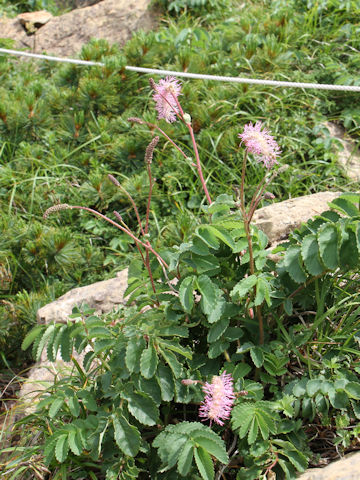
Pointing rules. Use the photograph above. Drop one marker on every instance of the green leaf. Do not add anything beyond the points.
(55, 406)
(328, 245)
(257, 356)
(142, 407)
(217, 330)
(349, 253)
(148, 361)
(166, 383)
(74, 405)
(353, 390)
(134, 350)
(127, 437)
(345, 205)
(297, 458)
(338, 399)
(206, 264)
(212, 302)
(62, 448)
(207, 236)
(215, 448)
(186, 293)
(311, 255)
(186, 458)
(75, 443)
(262, 292)
(243, 287)
(313, 386)
(172, 361)
(217, 348)
(66, 346)
(30, 337)
(204, 463)
(293, 264)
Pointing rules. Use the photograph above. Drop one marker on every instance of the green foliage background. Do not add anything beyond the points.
(64, 127)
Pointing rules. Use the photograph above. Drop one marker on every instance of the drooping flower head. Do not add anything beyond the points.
(165, 94)
(258, 141)
(218, 400)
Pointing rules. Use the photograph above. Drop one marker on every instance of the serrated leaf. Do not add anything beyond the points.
(243, 287)
(30, 337)
(353, 390)
(55, 406)
(204, 463)
(217, 330)
(311, 255)
(338, 399)
(65, 346)
(62, 448)
(257, 356)
(142, 407)
(293, 264)
(207, 236)
(172, 361)
(313, 386)
(262, 292)
(46, 335)
(349, 253)
(212, 446)
(328, 245)
(207, 263)
(127, 437)
(186, 458)
(217, 348)
(166, 383)
(148, 361)
(212, 303)
(75, 443)
(74, 405)
(133, 353)
(186, 295)
(345, 205)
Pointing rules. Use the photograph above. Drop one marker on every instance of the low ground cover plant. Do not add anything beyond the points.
(226, 362)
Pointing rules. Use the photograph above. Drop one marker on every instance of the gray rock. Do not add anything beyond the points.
(348, 468)
(349, 156)
(103, 296)
(34, 19)
(279, 219)
(112, 20)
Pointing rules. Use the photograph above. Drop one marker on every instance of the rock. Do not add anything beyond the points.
(103, 296)
(279, 219)
(348, 468)
(349, 156)
(112, 20)
(34, 19)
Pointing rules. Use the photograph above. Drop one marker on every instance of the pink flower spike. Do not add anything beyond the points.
(165, 96)
(258, 141)
(218, 400)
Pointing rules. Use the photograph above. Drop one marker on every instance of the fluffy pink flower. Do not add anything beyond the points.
(258, 141)
(166, 93)
(219, 399)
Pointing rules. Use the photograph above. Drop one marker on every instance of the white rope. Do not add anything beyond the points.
(219, 78)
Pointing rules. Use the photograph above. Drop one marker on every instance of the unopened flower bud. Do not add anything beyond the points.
(136, 120)
(56, 208)
(150, 150)
(188, 381)
(187, 118)
(269, 196)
